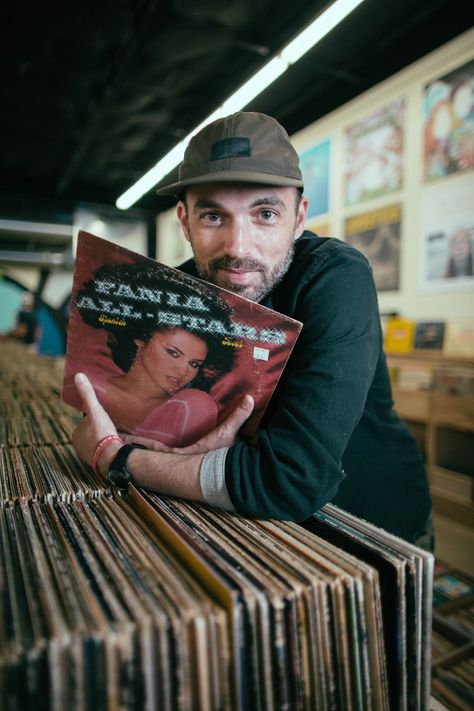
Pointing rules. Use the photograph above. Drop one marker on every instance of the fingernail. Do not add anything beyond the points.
(80, 378)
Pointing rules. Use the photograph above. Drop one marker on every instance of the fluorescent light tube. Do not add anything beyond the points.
(294, 50)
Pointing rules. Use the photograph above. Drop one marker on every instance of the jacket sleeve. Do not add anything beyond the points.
(295, 466)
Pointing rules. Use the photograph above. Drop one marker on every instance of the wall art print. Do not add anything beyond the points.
(377, 235)
(374, 154)
(448, 123)
(315, 168)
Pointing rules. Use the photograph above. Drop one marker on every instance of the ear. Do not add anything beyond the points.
(139, 344)
(183, 219)
(301, 216)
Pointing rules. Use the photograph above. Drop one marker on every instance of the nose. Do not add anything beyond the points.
(238, 239)
(182, 370)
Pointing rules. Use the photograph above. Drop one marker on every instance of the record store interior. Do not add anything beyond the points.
(117, 597)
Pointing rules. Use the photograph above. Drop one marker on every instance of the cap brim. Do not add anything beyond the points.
(231, 176)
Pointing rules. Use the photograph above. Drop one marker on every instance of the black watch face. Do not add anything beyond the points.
(119, 478)
(119, 475)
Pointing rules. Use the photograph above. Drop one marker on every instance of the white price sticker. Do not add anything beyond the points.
(261, 353)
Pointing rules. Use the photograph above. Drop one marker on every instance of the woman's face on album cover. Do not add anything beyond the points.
(170, 359)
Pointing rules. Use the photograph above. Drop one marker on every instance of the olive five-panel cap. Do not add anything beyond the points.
(245, 147)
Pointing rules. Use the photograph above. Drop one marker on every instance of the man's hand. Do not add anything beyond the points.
(224, 435)
(162, 470)
(95, 425)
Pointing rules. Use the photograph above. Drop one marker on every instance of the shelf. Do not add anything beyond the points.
(442, 423)
(453, 449)
(441, 408)
(433, 358)
(453, 507)
(412, 404)
(453, 410)
(446, 481)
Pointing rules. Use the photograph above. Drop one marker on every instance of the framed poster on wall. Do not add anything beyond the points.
(377, 235)
(447, 225)
(315, 165)
(448, 123)
(374, 154)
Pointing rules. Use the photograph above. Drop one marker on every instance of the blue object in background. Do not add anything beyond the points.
(52, 339)
(315, 168)
(10, 299)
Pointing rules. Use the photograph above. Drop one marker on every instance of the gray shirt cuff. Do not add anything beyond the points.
(212, 479)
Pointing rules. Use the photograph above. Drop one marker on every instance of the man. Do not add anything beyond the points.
(330, 433)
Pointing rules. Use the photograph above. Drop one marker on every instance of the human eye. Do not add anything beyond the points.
(267, 215)
(172, 352)
(212, 217)
(194, 364)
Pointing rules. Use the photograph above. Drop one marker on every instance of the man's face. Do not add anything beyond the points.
(242, 235)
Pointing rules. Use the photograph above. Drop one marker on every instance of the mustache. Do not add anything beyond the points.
(234, 263)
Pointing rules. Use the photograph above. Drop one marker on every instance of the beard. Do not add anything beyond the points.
(269, 277)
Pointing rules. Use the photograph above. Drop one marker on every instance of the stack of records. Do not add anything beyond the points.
(45, 473)
(453, 637)
(406, 577)
(149, 602)
(36, 422)
(26, 377)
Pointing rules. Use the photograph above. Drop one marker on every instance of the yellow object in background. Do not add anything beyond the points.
(399, 335)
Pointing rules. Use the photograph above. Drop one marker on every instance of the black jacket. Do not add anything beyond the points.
(330, 432)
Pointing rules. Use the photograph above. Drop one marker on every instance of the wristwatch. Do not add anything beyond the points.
(118, 474)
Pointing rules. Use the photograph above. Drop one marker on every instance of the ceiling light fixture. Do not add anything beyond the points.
(270, 71)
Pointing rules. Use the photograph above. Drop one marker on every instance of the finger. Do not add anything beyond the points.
(237, 417)
(159, 447)
(86, 392)
(133, 439)
(226, 433)
(149, 443)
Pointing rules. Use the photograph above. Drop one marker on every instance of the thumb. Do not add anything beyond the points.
(237, 417)
(225, 434)
(86, 392)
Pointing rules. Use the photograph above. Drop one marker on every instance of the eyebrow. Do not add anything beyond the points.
(213, 204)
(167, 344)
(268, 201)
(200, 204)
(175, 348)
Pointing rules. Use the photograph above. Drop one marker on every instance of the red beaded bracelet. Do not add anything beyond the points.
(101, 445)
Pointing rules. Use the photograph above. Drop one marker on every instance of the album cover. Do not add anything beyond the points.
(169, 355)
(429, 335)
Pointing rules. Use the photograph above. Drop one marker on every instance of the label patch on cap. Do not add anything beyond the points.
(230, 148)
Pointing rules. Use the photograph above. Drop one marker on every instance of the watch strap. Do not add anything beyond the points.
(118, 473)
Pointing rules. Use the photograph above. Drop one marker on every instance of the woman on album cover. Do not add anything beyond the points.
(154, 378)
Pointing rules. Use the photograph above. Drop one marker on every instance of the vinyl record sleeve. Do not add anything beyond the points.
(392, 579)
(254, 615)
(211, 577)
(184, 618)
(169, 355)
(275, 602)
(420, 575)
(408, 614)
(307, 646)
(367, 622)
